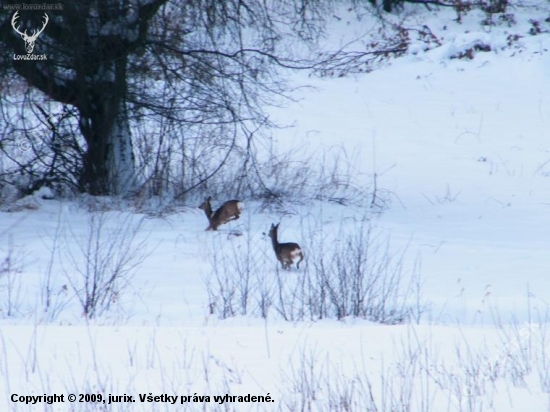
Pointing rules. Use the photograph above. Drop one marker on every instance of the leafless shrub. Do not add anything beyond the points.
(316, 382)
(40, 146)
(353, 272)
(236, 283)
(99, 263)
(300, 176)
(53, 295)
(348, 273)
(11, 267)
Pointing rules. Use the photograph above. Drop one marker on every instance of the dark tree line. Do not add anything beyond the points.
(175, 64)
(157, 95)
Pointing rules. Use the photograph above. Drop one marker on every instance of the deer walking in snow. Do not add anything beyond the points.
(286, 252)
(230, 210)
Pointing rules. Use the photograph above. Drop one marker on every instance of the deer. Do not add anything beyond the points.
(29, 40)
(227, 212)
(286, 252)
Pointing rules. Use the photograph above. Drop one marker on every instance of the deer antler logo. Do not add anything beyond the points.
(29, 40)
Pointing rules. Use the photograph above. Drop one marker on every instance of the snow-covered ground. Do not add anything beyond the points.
(460, 148)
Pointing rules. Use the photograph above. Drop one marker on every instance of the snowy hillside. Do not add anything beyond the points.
(455, 136)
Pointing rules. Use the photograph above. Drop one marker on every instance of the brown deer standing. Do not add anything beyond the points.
(286, 252)
(230, 210)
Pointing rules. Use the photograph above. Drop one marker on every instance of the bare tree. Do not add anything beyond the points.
(166, 94)
(87, 45)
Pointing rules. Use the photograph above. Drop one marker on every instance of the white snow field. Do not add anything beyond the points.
(461, 152)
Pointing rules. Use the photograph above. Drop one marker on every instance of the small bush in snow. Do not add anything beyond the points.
(11, 266)
(99, 264)
(350, 273)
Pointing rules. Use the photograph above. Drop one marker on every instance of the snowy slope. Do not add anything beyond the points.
(460, 147)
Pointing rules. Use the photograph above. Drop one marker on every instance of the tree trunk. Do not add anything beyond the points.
(120, 155)
(109, 167)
